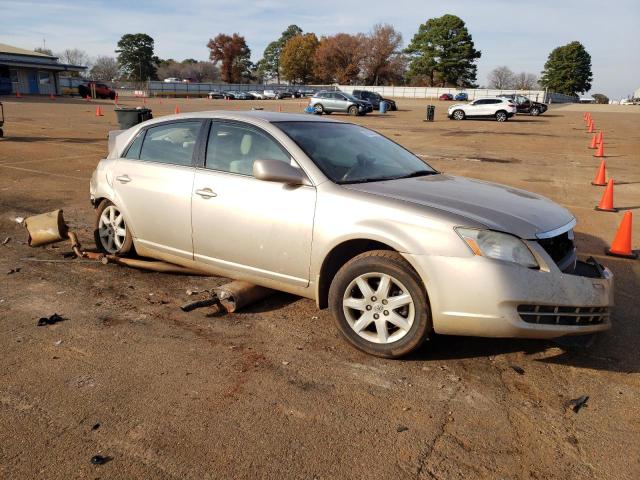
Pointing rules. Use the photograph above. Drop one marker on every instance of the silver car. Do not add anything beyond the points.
(331, 102)
(340, 214)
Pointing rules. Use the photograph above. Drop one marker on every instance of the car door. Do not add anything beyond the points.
(153, 183)
(475, 109)
(341, 102)
(256, 228)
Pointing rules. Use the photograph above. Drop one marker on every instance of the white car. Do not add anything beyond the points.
(172, 80)
(257, 95)
(501, 109)
(270, 94)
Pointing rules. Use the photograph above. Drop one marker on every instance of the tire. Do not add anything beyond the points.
(352, 110)
(112, 96)
(318, 109)
(535, 112)
(458, 115)
(501, 116)
(396, 331)
(104, 228)
(1, 133)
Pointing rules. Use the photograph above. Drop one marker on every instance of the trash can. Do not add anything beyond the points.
(383, 107)
(431, 112)
(128, 117)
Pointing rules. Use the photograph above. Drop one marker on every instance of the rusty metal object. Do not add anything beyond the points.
(238, 294)
(155, 266)
(46, 228)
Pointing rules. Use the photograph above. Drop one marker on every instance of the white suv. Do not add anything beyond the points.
(491, 107)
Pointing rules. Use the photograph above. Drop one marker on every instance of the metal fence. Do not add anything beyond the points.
(176, 89)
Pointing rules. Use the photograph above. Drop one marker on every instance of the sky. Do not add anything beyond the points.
(518, 34)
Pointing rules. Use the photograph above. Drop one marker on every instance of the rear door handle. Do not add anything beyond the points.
(206, 193)
(123, 179)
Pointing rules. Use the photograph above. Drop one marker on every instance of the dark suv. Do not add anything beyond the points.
(524, 105)
(374, 99)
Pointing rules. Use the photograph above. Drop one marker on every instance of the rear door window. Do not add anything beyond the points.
(171, 143)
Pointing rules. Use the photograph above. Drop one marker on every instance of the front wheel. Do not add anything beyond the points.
(458, 115)
(535, 112)
(111, 233)
(379, 304)
(353, 110)
(318, 109)
(501, 116)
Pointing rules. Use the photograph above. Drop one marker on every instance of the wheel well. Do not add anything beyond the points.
(340, 255)
(97, 201)
(503, 111)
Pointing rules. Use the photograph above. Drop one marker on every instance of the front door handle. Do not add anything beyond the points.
(123, 179)
(206, 193)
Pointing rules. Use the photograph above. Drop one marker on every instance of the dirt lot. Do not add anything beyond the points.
(274, 392)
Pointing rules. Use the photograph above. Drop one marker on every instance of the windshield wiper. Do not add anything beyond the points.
(419, 173)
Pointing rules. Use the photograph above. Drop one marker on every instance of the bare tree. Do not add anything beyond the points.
(339, 58)
(525, 81)
(105, 69)
(74, 56)
(381, 46)
(501, 78)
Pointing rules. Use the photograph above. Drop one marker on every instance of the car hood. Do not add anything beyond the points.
(498, 207)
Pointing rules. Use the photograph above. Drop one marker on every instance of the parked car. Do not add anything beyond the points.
(280, 94)
(400, 250)
(229, 95)
(256, 95)
(445, 96)
(374, 99)
(172, 80)
(524, 105)
(461, 97)
(215, 94)
(330, 102)
(501, 109)
(101, 90)
(243, 96)
(305, 92)
(269, 94)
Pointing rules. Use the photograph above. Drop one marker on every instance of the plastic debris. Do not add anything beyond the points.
(6, 240)
(100, 459)
(402, 428)
(13, 270)
(95, 426)
(19, 219)
(55, 318)
(577, 403)
(517, 369)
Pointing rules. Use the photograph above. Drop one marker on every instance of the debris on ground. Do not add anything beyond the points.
(19, 220)
(100, 459)
(6, 240)
(401, 428)
(517, 369)
(58, 343)
(55, 318)
(284, 362)
(95, 426)
(14, 270)
(577, 403)
(214, 301)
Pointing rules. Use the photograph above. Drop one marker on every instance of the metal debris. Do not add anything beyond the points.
(6, 240)
(402, 428)
(577, 403)
(100, 459)
(14, 270)
(517, 369)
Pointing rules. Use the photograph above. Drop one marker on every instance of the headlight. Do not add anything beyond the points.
(499, 246)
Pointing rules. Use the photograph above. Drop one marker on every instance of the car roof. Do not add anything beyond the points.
(253, 116)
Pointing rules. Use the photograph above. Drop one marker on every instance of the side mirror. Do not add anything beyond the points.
(278, 171)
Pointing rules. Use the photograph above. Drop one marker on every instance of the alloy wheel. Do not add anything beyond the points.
(379, 308)
(112, 229)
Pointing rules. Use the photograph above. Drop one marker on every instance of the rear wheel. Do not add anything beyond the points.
(353, 110)
(535, 111)
(111, 233)
(379, 304)
(501, 116)
(318, 109)
(458, 115)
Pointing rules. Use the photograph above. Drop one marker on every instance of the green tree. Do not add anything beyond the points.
(568, 70)
(136, 58)
(297, 58)
(234, 55)
(269, 66)
(600, 98)
(443, 53)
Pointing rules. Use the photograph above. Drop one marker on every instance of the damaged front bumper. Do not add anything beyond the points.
(480, 297)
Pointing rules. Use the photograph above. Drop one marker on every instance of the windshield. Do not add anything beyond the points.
(350, 97)
(348, 153)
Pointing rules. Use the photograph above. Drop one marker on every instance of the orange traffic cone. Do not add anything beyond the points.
(18, 94)
(600, 152)
(99, 112)
(176, 110)
(606, 202)
(591, 127)
(600, 138)
(621, 246)
(51, 97)
(594, 141)
(600, 180)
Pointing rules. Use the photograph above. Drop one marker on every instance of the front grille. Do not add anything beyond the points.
(550, 315)
(557, 247)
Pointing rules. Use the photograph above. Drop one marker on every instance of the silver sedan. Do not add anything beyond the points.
(339, 213)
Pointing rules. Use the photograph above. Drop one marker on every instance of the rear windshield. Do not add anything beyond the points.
(348, 153)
